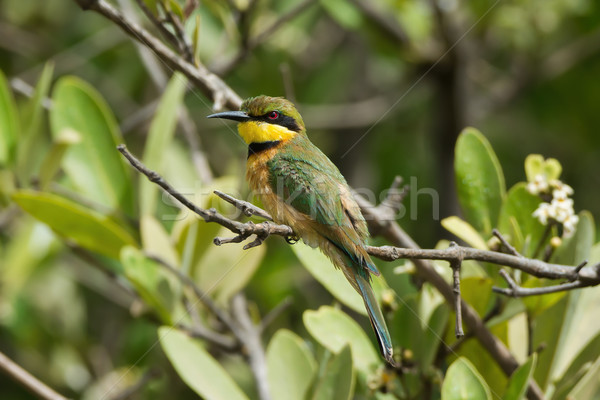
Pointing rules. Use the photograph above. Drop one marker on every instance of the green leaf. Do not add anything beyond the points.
(337, 382)
(589, 386)
(160, 135)
(516, 221)
(577, 368)
(156, 240)
(548, 325)
(334, 329)
(31, 146)
(519, 380)
(477, 292)
(344, 13)
(93, 165)
(197, 368)
(225, 270)
(290, 366)
(465, 231)
(150, 281)
(463, 382)
(9, 123)
(321, 268)
(87, 228)
(479, 180)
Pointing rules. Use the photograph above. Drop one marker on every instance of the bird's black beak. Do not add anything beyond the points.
(239, 116)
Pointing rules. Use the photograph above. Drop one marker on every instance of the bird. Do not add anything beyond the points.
(302, 188)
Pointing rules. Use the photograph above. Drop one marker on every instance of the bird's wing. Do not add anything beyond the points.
(312, 184)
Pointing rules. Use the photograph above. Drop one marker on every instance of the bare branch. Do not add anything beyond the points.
(28, 381)
(210, 84)
(505, 243)
(251, 43)
(276, 312)
(515, 290)
(246, 207)
(245, 229)
(252, 345)
(455, 265)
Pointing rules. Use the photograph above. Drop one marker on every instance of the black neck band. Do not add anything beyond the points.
(255, 148)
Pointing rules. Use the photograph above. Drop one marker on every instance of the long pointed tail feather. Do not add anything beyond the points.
(376, 317)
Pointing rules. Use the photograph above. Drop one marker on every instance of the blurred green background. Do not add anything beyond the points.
(384, 89)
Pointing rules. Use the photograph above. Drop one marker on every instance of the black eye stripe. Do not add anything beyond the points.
(282, 119)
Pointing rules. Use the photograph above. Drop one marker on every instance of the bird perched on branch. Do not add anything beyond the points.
(302, 188)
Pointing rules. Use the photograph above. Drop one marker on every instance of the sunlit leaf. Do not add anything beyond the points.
(94, 165)
(334, 329)
(31, 146)
(479, 180)
(290, 366)
(589, 386)
(337, 381)
(9, 123)
(465, 231)
(156, 240)
(463, 382)
(150, 281)
(578, 367)
(519, 380)
(161, 133)
(86, 227)
(477, 292)
(197, 368)
(344, 13)
(224, 270)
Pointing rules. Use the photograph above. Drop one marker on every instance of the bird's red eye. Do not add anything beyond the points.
(273, 115)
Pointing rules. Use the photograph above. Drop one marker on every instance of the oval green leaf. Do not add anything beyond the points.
(479, 180)
(197, 368)
(463, 382)
(9, 123)
(88, 228)
(519, 380)
(160, 135)
(93, 165)
(337, 382)
(334, 329)
(290, 366)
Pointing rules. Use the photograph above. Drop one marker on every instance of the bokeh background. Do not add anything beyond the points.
(384, 88)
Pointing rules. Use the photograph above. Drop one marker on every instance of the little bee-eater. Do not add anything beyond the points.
(300, 187)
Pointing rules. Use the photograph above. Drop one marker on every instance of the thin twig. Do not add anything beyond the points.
(210, 84)
(199, 293)
(252, 344)
(455, 265)
(252, 43)
(246, 207)
(28, 381)
(505, 243)
(263, 229)
(201, 332)
(275, 312)
(515, 290)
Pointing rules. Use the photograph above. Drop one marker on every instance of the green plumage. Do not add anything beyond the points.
(301, 187)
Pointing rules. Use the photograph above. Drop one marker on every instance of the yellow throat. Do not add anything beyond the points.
(259, 132)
